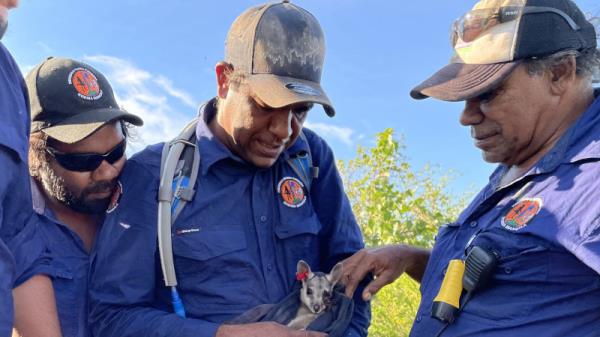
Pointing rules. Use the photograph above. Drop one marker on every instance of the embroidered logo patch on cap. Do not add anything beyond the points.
(115, 198)
(291, 191)
(302, 89)
(85, 83)
(521, 213)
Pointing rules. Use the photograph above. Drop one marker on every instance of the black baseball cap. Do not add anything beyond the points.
(492, 39)
(70, 100)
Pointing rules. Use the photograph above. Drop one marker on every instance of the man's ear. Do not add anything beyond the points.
(563, 75)
(335, 274)
(222, 70)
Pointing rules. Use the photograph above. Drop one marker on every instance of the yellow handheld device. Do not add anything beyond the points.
(446, 303)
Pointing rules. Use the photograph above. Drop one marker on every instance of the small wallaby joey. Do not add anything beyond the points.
(315, 295)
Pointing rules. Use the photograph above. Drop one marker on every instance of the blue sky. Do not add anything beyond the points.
(160, 56)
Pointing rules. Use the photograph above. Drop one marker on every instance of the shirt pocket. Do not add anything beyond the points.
(206, 254)
(297, 233)
(516, 288)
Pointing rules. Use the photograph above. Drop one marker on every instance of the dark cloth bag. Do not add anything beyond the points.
(334, 321)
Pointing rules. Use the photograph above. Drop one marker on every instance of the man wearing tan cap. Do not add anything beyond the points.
(251, 215)
(523, 259)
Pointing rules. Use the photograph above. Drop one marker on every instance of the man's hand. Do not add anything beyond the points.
(269, 329)
(386, 263)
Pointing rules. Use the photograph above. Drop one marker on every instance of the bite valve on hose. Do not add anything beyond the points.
(446, 303)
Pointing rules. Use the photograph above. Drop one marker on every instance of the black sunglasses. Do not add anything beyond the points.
(84, 162)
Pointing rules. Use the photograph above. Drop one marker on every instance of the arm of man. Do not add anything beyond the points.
(35, 308)
(341, 234)
(386, 264)
(33, 296)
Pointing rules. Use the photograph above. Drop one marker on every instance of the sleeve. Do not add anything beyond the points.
(22, 236)
(125, 276)
(342, 235)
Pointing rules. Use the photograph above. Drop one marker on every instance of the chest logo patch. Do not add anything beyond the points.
(521, 213)
(85, 83)
(291, 191)
(115, 198)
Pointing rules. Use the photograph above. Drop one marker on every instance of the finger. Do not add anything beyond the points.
(358, 274)
(374, 286)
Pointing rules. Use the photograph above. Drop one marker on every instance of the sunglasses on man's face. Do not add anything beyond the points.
(84, 162)
(471, 25)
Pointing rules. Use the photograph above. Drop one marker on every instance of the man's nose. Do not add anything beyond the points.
(471, 114)
(105, 171)
(281, 124)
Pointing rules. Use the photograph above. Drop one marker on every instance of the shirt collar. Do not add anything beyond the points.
(212, 150)
(37, 199)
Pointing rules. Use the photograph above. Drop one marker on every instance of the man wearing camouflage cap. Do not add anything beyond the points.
(253, 216)
(525, 254)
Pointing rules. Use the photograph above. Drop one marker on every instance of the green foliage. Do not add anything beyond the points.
(394, 204)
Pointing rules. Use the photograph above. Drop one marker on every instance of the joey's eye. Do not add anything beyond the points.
(309, 291)
(326, 294)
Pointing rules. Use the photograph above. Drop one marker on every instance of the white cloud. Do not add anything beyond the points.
(343, 134)
(45, 48)
(147, 95)
(167, 84)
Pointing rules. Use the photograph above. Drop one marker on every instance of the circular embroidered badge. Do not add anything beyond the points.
(291, 191)
(521, 213)
(85, 83)
(115, 198)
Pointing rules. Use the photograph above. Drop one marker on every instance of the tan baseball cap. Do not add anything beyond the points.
(281, 48)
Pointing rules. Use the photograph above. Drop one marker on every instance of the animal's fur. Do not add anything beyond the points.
(315, 295)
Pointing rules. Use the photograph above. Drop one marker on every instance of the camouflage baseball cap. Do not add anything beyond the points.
(497, 35)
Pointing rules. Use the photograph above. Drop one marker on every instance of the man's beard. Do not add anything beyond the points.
(56, 188)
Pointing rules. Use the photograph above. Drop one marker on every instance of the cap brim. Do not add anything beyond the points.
(80, 126)
(458, 81)
(279, 91)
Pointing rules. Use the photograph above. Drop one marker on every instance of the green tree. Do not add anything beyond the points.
(394, 204)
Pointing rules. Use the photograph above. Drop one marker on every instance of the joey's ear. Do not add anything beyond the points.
(303, 267)
(223, 70)
(335, 274)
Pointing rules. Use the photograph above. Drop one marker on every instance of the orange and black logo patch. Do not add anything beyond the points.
(521, 213)
(291, 191)
(85, 83)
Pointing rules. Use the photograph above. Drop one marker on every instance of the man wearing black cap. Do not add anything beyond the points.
(237, 242)
(22, 250)
(526, 252)
(76, 152)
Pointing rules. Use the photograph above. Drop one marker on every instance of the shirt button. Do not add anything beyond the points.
(473, 223)
(418, 318)
(507, 270)
(269, 267)
(263, 218)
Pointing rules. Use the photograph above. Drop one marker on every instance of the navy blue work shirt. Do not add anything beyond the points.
(69, 270)
(545, 228)
(236, 244)
(20, 247)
